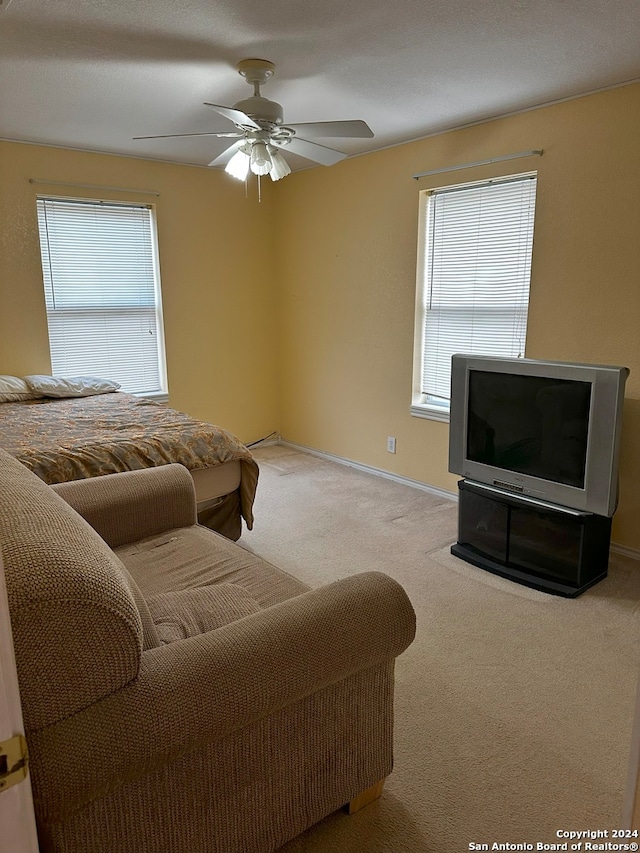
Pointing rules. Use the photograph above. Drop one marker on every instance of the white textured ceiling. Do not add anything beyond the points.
(92, 74)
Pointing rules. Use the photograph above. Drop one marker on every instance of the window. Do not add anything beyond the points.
(474, 268)
(102, 292)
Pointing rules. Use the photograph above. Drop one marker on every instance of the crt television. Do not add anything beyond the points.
(542, 429)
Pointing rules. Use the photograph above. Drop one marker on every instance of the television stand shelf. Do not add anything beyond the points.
(552, 548)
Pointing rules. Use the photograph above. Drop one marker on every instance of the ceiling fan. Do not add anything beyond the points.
(261, 133)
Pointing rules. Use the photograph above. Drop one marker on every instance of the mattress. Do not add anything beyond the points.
(213, 483)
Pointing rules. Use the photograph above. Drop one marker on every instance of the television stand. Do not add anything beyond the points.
(551, 548)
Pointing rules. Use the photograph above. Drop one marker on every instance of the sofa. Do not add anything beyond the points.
(179, 693)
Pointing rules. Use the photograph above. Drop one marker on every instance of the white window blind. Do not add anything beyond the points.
(477, 265)
(102, 292)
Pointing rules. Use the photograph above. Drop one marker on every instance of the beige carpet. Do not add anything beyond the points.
(513, 707)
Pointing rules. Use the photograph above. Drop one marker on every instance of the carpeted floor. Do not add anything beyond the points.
(513, 707)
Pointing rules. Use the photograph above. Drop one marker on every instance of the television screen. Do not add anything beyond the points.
(534, 425)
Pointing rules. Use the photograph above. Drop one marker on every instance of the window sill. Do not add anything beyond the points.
(431, 413)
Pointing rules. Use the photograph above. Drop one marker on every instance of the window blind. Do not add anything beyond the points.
(477, 270)
(101, 291)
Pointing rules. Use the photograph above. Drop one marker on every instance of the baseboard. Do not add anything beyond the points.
(369, 469)
(624, 550)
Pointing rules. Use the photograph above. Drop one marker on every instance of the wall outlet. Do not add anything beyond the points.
(391, 444)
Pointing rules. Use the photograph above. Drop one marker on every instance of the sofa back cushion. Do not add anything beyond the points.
(77, 631)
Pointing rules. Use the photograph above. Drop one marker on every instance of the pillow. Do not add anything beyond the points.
(13, 390)
(188, 612)
(69, 386)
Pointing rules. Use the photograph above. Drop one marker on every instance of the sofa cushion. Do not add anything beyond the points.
(182, 614)
(189, 557)
(150, 637)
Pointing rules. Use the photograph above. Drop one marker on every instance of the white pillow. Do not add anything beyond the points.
(69, 386)
(14, 390)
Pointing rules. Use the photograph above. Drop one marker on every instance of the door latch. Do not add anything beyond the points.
(14, 760)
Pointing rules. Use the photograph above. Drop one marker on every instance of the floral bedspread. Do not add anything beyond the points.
(70, 439)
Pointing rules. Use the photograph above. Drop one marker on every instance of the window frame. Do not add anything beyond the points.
(422, 405)
(162, 393)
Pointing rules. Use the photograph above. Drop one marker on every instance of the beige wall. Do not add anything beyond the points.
(297, 314)
(346, 244)
(215, 261)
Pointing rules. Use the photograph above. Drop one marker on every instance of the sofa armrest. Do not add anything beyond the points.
(201, 689)
(128, 506)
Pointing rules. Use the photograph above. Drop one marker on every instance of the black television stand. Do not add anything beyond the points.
(552, 548)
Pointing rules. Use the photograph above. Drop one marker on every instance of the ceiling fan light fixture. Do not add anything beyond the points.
(260, 161)
(279, 166)
(238, 166)
(261, 132)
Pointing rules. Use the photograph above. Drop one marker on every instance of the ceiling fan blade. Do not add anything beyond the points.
(354, 128)
(236, 116)
(311, 151)
(227, 154)
(181, 135)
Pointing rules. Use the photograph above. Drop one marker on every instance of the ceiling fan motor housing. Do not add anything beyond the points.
(261, 110)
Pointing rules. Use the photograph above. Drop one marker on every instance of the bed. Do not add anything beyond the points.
(73, 438)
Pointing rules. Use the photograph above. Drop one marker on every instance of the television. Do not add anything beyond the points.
(549, 431)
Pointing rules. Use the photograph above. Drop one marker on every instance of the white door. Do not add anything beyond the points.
(631, 811)
(18, 833)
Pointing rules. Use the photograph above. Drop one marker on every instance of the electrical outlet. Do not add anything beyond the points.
(391, 444)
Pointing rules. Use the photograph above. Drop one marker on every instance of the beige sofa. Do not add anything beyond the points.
(180, 694)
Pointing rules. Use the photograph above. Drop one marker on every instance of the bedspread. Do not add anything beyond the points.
(71, 439)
